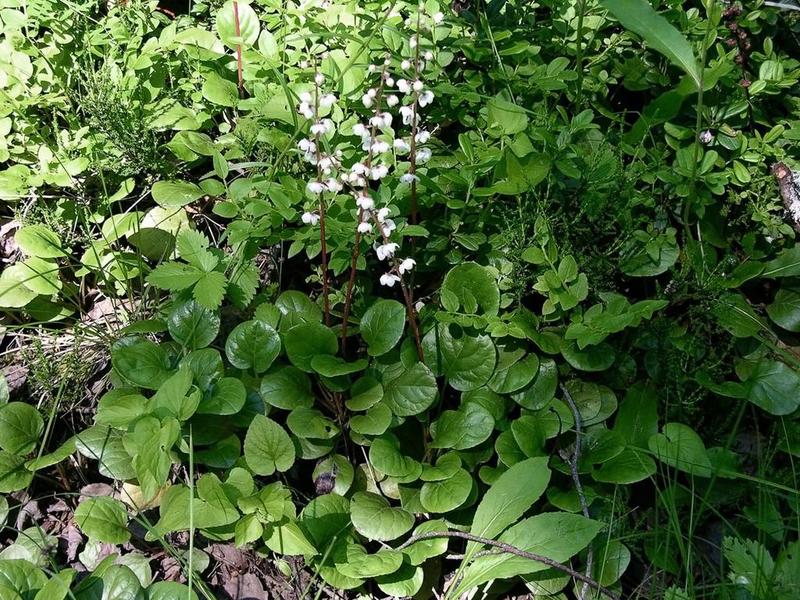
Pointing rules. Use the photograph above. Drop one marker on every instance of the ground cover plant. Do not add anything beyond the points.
(339, 299)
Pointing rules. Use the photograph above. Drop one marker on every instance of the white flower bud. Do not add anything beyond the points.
(418, 85)
(408, 178)
(390, 81)
(327, 100)
(360, 130)
(315, 187)
(392, 100)
(405, 65)
(372, 92)
(365, 202)
(310, 218)
(382, 214)
(428, 55)
(423, 155)
(367, 100)
(305, 97)
(438, 18)
(403, 86)
(364, 227)
(319, 78)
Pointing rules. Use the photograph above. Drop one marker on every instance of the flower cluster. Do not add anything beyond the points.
(392, 143)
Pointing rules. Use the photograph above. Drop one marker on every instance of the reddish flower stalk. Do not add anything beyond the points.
(407, 296)
(348, 298)
(237, 29)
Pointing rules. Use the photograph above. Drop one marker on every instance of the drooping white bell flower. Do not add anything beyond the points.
(378, 172)
(406, 265)
(405, 65)
(426, 98)
(422, 136)
(418, 85)
(423, 155)
(387, 227)
(407, 112)
(404, 86)
(382, 213)
(365, 201)
(401, 146)
(392, 100)
(438, 18)
(310, 218)
(385, 251)
(389, 279)
(408, 178)
(364, 227)
(327, 100)
(319, 78)
(360, 130)
(305, 97)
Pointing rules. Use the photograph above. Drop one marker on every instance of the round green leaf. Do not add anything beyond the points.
(382, 326)
(13, 291)
(537, 394)
(629, 466)
(464, 428)
(296, 308)
(193, 325)
(680, 447)
(362, 565)
(785, 309)
(385, 456)
(466, 360)
(39, 241)
(375, 519)
(175, 193)
(103, 519)
(220, 91)
(226, 397)
(143, 363)
(612, 559)
(447, 494)
(287, 388)
(170, 590)
(267, 447)
(20, 427)
(373, 422)
(333, 366)
(304, 342)
(248, 24)
(470, 287)
(13, 474)
(516, 376)
(311, 423)
(592, 358)
(408, 392)
(364, 393)
(253, 345)
(40, 275)
(775, 387)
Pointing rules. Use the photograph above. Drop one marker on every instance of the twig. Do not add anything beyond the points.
(511, 550)
(573, 467)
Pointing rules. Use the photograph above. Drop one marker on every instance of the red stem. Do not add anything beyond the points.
(238, 31)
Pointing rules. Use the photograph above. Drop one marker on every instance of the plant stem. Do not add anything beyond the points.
(322, 241)
(237, 29)
(579, 51)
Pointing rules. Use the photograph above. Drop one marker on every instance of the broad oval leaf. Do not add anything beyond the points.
(253, 345)
(267, 447)
(103, 519)
(382, 326)
(375, 519)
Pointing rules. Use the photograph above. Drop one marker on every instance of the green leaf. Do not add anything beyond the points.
(253, 345)
(149, 445)
(386, 457)
(467, 361)
(611, 560)
(785, 309)
(364, 393)
(464, 428)
(504, 117)
(362, 565)
(104, 445)
(516, 376)
(382, 326)
(333, 366)
(40, 275)
(210, 289)
(103, 519)
(310, 423)
(305, 341)
(509, 497)
(170, 590)
(13, 474)
(447, 494)
(410, 391)
(174, 276)
(375, 519)
(287, 388)
(20, 427)
(471, 287)
(774, 386)
(248, 24)
(267, 447)
(220, 91)
(786, 264)
(39, 241)
(57, 587)
(680, 447)
(56, 456)
(13, 291)
(639, 17)
(420, 551)
(192, 325)
(226, 397)
(629, 466)
(175, 193)
(143, 363)
(557, 535)
(21, 578)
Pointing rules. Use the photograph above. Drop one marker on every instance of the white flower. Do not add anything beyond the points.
(379, 172)
(412, 43)
(376, 121)
(319, 78)
(401, 146)
(387, 119)
(426, 98)
(423, 155)
(333, 185)
(364, 227)
(392, 100)
(310, 218)
(307, 145)
(372, 92)
(315, 187)
(303, 64)
(419, 305)
(305, 110)
(360, 130)
(382, 214)
(387, 61)
(418, 85)
(408, 178)
(387, 250)
(706, 137)
(407, 112)
(379, 147)
(390, 81)
(367, 100)
(327, 100)
(305, 97)
(429, 55)
(406, 265)
(387, 227)
(389, 279)
(372, 68)
(359, 168)
(405, 65)
(322, 127)
(422, 136)
(404, 86)
(364, 201)
(438, 18)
